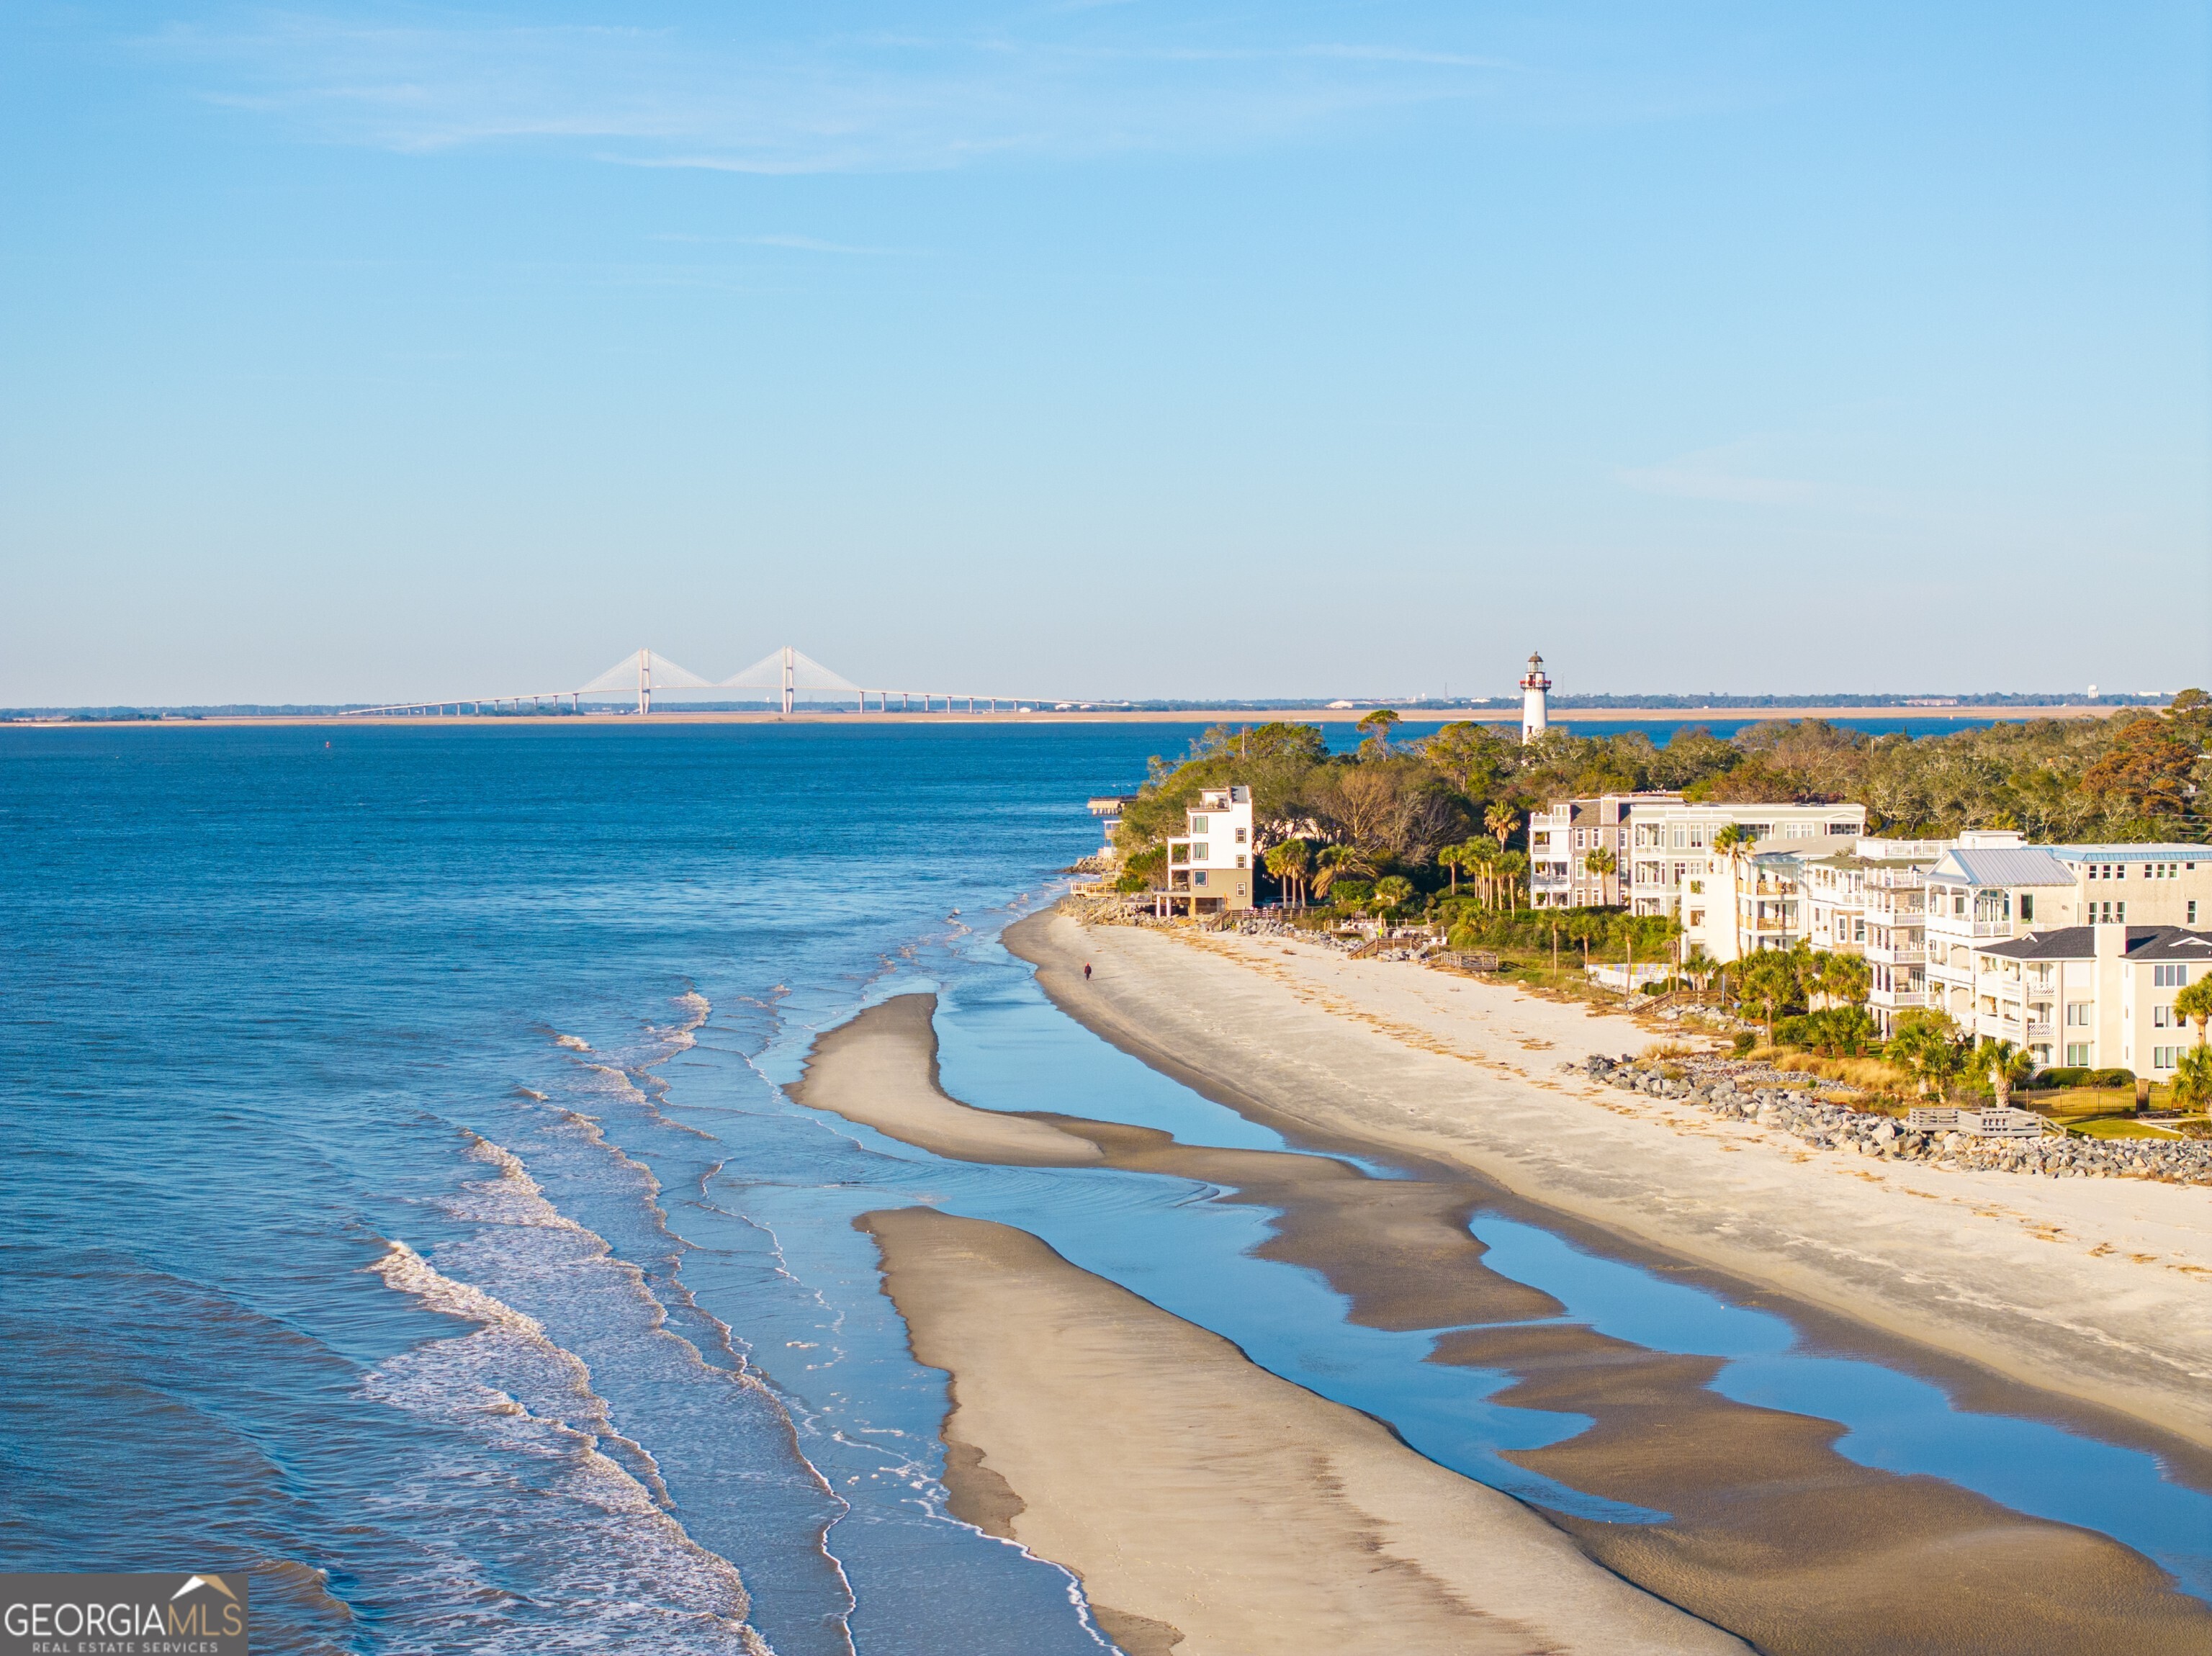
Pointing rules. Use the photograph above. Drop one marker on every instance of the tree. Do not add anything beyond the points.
(1392, 892)
(1288, 861)
(1455, 858)
(1376, 726)
(2006, 1065)
(1482, 857)
(2194, 1004)
(1697, 966)
(1511, 866)
(1768, 980)
(1501, 819)
(1341, 863)
(1841, 979)
(2192, 1080)
(1926, 1039)
(1600, 864)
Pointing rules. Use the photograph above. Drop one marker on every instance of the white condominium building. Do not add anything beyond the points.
(2090, 996)
(1661, 847)
(1210, 864)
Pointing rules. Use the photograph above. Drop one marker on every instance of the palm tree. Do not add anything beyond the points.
(1697, 966)
(1454, 857)
(1341, 863)
(2194, 1003)
(1841, 979)
(1288, 860)
(1392, 892)
(1600, 863)
(1770, 979)
(2192, 1080)
(1924, 1041)
(2008, 1065)
(1511, 866)
(1482, 857)
(1501, 819)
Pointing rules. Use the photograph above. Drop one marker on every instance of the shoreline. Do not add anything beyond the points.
(1994, 1283)
(1765, 1516)
(1209, 1508)
(1499, 716)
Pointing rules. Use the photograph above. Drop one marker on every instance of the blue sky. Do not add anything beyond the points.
(356, 351)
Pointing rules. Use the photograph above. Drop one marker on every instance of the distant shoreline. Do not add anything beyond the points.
(1985, 714)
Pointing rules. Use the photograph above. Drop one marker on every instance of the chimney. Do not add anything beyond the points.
(2111, 942)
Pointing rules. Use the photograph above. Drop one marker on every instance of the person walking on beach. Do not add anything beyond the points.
(1086, 971)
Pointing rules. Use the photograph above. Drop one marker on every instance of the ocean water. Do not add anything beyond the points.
(404, 1202)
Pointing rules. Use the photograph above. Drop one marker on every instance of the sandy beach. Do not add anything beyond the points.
(2096, 1290)
(1771, 1534)
(1210, 1509)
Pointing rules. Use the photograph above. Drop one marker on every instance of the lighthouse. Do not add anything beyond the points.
(1532, 686)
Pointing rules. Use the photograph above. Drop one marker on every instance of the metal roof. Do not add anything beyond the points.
(2006, 865)
(2168, 853)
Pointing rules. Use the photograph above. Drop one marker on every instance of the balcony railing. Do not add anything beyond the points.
(1953, 925)
(1909, 953)
(2043, 1032)
(1898, 997)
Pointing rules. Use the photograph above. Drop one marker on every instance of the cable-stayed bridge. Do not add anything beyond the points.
(786, 674)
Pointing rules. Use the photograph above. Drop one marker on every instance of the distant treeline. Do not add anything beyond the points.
(2135, 775)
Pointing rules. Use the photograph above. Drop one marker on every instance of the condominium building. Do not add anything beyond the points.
(1660, 846)
(1209, 869)
(2089, 996)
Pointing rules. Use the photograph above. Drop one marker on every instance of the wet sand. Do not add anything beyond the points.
(1209, 1508)
(2092, 1289)
(1771, 1534)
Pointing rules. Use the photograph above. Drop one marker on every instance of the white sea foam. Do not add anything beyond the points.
(512, 1199)
(573, 1043)
(624, 1571)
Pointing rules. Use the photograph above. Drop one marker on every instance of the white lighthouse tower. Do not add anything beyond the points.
(1532, 686)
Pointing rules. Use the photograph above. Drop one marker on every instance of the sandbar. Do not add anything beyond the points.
(1209, 1508)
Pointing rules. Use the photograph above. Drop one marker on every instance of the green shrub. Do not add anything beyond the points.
(1745, 1041)
(1793, 1032)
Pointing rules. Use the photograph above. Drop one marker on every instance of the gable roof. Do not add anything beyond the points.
(2079, 943)
(2005, 865)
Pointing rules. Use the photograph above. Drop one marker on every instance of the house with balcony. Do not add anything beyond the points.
(1987, 889)
(2140, 884)
(1108, 807)
(2094, 996)
(1662, 848)
(1871, 901)
(1209, 866)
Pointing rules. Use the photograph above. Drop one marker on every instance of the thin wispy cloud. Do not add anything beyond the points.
(1036, 85)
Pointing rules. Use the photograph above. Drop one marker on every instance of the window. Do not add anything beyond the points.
(1682, 839)
(2027, 900)
(1198, 853)
(1696, 888)
(1959, 902)
(2162, 1017)
(1197, 823)
(2165, 1058)
(1858, 930)
(2192, 909)
(1697, 917)
(1242, 835)
(2077, 1013)
(2077, 1054)
(2169, 977)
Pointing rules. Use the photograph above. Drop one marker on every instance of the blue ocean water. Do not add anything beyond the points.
(404, 1202)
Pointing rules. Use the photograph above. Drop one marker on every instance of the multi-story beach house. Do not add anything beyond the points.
(2089, 996)
(1660, 847)
(2054, 948)
(1108, 807)
(1209, 868)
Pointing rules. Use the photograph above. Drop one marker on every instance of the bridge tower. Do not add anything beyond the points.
(1534, 684)
(645, 681)
(790, 681)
